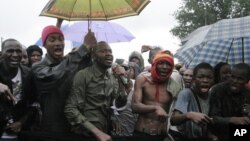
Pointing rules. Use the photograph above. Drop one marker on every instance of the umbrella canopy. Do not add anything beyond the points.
(104, 31)
(227, 40)
(74, 10)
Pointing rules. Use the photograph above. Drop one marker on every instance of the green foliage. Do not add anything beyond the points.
(196, 13)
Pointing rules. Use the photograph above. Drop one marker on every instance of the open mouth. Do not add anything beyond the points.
(109, 60)
(58, 51)
(204, 89)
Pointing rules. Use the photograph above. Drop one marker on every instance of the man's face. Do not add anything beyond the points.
(55, 46)
(13, 52)
(203, 80)
(163, 68)
(187, 77)
(225, 73)
(35, 57)
(24, 59)
(238, 79)
(103, 56)
(135, 60)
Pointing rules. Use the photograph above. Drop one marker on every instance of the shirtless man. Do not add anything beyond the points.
(153, 95)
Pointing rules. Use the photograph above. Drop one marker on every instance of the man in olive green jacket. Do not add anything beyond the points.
(94, 88)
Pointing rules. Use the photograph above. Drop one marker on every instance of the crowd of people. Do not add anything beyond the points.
(85, 92)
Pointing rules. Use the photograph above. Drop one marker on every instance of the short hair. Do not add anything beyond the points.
(244, 67)
(202, 65)
(7, 40)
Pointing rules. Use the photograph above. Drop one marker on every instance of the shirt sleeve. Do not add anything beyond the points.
(75, 102)
(182, 101)
(49, 75)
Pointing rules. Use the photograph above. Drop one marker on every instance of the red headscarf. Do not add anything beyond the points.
(164, 55)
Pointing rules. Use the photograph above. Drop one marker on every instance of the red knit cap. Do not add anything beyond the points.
(49, 30)
(164, 55)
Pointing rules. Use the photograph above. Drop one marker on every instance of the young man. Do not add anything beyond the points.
(94, 89)
(14, 90)
(54, 74)
(192, 105)
(230, 102)
(153, 95)
(188, 77)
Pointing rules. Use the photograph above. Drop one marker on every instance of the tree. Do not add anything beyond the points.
(196, 13)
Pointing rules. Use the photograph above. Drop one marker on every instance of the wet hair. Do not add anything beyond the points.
(244, 67)
(217, 69)
(202, 66)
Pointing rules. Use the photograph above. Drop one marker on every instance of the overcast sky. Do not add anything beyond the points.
(20, 20)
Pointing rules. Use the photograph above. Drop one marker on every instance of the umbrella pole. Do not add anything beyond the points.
(242, 45)
(229, 50)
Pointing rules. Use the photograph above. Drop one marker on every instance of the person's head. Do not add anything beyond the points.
(239, 77)
(222, 72)
(187, 77)
(53, 41)
(34, 54)
(102, 55)
(162, 67)
(134, 70)
(152, 53)
(203, 78)
(25, 60)
(12, 53)
(136, 57)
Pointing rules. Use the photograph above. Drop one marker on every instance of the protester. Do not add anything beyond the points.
(153, 95)
(92, 94)
(53, 77)
(24, 60)
(124, 119)
(188, 77)
(14, 91)
(137, 58)
(222, 72)
(230, 102)
(34, 54)
(192, 106)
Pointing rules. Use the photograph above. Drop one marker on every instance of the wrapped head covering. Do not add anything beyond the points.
(164, 55)
(49, 30)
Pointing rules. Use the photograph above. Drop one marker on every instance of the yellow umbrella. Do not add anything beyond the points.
(75, 10)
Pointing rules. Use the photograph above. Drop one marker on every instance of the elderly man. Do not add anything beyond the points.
(153, 95)
(14, 90)
(53, 76)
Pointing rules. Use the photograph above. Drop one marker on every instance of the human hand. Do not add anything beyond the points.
(161, 113)
(90, 40)
(101, 136)
(246, 109)
(15, 127)
(199, 118)
(118, 70)
(145, 48)
(4, 90)
(240, 120)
